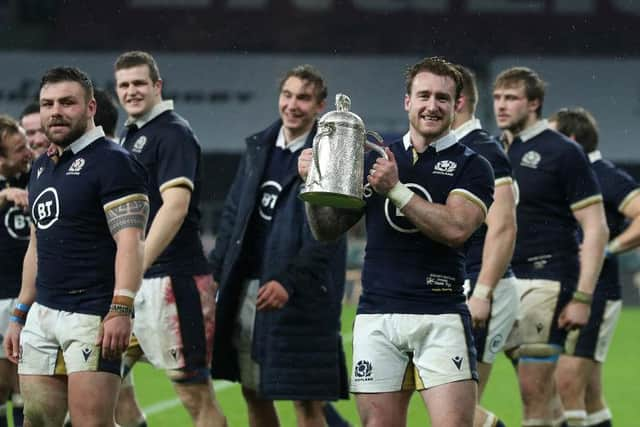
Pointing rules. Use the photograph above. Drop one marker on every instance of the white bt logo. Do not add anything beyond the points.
(46, 208)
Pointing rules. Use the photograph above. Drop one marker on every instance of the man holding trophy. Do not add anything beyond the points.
(413, 329)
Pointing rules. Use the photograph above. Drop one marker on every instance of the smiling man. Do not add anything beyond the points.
(280, 289)
(177, 287)
(83, 264)
(413, 329)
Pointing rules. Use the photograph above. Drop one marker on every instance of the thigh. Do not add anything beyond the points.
(490, 341)
(40, 351)
(45, 398)
(592, 341)
(175, 321)
(379, 364)
(92, 397)
(575, 371)
(77, 334)
(451, 405)
(442, 347)
(383, 409)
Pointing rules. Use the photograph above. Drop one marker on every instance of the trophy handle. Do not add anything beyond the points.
(373, 146)
(326, 129)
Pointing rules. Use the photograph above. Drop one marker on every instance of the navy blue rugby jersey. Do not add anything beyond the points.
(165, 144)
(14, 239)
(405, 271)
(555, 179)
(473, 136)
(68, 200)
(282, 163)
(618, 189)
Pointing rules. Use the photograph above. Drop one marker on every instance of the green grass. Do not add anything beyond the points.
(621, 382)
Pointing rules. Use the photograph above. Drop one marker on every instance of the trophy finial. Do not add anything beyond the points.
(343, 102)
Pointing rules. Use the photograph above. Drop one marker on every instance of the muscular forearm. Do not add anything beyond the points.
(129, 269)
(496, 254)
(591, 257)
(438, 222)
(329, 223)
(163, 229)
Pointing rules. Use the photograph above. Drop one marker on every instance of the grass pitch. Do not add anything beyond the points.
(621, 383)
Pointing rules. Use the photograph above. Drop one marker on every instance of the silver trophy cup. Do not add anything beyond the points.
(336, 175)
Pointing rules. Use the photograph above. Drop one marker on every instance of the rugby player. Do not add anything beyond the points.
(557, 192)
(83, 264)
(413, 328)
(493, 299)
(30, 122)
(15, 160)
(175, 308)
(579, 371)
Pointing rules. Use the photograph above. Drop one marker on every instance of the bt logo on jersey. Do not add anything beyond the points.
(46, 208)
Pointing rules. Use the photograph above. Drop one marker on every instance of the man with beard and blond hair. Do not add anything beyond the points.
(413, 328)
(83, 265)
(15, 159)
(558, 192)
(178, 286)
(493, 298)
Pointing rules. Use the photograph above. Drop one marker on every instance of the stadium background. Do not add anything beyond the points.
(221, 61)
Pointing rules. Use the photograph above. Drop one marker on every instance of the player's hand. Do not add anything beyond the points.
(304, 163)
(574, 315)
(114, 335)
(383, 175)
(11, 342)
(18, 196)
(480, 309)
(271, 296)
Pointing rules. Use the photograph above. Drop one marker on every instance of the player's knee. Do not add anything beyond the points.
(189, 376)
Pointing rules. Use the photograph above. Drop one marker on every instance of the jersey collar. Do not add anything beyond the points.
(86, 140)
(157, 109)
(594, 156)
(534, 130)
(440, 144)
(467, 127)
(292, 146)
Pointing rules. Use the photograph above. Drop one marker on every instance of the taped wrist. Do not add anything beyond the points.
(482, 291)
(400, 195)
(582, 297)
(19, 314)
(121, 305)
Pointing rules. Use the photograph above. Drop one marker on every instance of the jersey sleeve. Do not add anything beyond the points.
(579, 180)
(178, 154)
(498, 160)
(476, 183)
(619, 188)
(125, 180)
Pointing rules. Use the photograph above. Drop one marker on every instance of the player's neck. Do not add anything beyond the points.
(461, 118)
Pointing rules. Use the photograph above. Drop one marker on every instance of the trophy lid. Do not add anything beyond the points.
(341, 116)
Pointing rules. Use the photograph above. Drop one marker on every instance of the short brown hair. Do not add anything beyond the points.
(309, 74)
(469, 85)
(580, 124)
(136, 58)
(534, 86)
(8, 126)
(434, 65)
(68, 74)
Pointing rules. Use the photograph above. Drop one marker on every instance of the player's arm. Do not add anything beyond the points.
(18, 196)
(26, 297)
(497, 250)
(593, 222)
(326, 223)
(167, 222)
(630, 237)
(127, 221)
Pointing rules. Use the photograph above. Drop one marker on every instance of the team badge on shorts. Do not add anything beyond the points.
(363, 371)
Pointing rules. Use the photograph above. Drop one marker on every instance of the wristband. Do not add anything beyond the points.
(482, 291)
(400, 195)
(17, 319)
(582, 297)
(120, 309)
(23, 307)
(124, 293)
